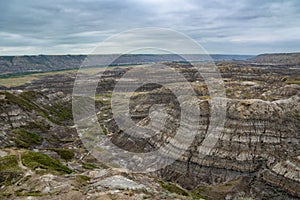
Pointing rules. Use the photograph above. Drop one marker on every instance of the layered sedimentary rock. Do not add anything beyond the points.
(256, 154)
(260, 139)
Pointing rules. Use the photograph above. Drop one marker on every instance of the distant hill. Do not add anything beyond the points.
(43, 63)
(278, 58)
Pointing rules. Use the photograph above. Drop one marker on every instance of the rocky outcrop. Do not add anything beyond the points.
(100, 183)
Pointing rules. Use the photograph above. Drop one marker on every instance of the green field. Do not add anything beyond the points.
(13, 80)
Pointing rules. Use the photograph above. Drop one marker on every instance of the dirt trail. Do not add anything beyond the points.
(18, 154)
(28, 171)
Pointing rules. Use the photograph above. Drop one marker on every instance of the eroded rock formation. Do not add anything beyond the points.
(257, 153)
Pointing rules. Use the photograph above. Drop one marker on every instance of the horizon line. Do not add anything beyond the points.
(135, 54)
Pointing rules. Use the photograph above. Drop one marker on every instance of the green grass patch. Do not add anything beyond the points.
(38, 125)
(29, 95)
(35, 160)
(57, 113)
(171, 187)
(5, 194)
(25, 139)
(81, 179)
(88, 165)
(31, 193)
(67, 140)
(61, 112)
(9, 164)
(23, 103)
(196, 195)
(217, 191)
(65, 154)
(293, 82)
(9, 170)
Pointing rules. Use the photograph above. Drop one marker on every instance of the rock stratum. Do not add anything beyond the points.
(256, 156)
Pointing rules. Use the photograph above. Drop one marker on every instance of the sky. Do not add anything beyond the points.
(32, 27)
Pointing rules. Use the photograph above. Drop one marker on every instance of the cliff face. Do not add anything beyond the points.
(257, 153)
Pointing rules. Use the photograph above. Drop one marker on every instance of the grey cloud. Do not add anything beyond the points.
(221, 26)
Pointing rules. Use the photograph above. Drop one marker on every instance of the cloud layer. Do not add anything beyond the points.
(220, 26)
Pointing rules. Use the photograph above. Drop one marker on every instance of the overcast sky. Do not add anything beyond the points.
(220, 26)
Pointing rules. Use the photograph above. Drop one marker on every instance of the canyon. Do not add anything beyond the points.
(256, 154)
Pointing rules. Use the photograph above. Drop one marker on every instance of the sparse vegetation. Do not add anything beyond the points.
(171, 187)
(29, 94)
(81, 179)
(61, 112)
(9, 164)
(26, 139)
(23, 103)
(37, 125)
(9, 170)
(65, 154)
(297, 82)
(88, 165)
(36, 160)
(31, 193)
